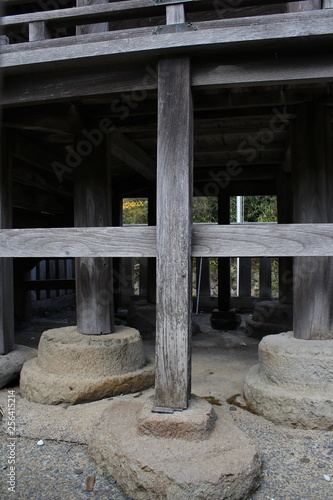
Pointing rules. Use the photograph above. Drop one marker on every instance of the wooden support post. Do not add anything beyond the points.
(244, 289)
(7, 342)
(117, 216)
(265, 278)
(224, 262)
(311, 149)
(87, 29)
(285, 216)
(151, 271)
(38, 31)
(94, 293)
(174, 270)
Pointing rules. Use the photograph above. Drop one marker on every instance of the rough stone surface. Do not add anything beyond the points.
(293, 382)
(269, 317)
(225, 466)
(197, 422)
(64, 350)
(11, 363)
(75, 368)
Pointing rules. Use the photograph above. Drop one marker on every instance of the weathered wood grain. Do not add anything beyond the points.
(236, 34)
(174, 194)
(92, 207)
(7, 342)
(263, 240)
(311, 149)
(304, 5)
(38, 31)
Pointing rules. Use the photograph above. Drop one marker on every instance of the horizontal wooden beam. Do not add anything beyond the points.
(257, 240)
(79, 242)
(263, 240)
(225, 35)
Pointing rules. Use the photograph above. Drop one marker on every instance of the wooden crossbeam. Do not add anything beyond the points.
(257, 240)
(235, 34)
(135, 157)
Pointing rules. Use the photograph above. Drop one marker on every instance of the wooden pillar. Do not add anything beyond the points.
(311, 149)
(116, 261)
(174, 195)
(151, 271)
(224, 262)
(7, 342)
(92, 207)
(285, 216)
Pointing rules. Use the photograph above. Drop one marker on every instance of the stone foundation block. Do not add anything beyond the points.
(224, 465)
(293, 382)
(75, 368)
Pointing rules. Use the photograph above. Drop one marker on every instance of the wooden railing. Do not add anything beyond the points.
(141, 17)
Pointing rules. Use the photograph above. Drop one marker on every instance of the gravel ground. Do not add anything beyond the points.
(297, 464)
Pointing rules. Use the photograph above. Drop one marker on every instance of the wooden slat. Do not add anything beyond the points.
(79, 242)
(91, 28)
(174, 273)
(38, 31)
(249, 32)
(285, 70)
(304, 5)
(79, 15)
(244, 278)
(265, 278)
(266, 240)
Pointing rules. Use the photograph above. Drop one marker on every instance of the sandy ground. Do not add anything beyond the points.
(297, 464)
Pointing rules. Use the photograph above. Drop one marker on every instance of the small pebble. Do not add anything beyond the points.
(321, 466)
(90, 481)
(40, 442)
(232, 408)
(78, 471)
(326, 477)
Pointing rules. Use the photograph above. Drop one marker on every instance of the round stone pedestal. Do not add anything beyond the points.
(293, 383)
(193, 454)
(76, 368)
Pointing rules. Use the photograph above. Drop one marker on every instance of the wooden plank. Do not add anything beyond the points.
(7, 341)
(175, 14)
(79, 242)
(230, 35)
(80, 15)
(91, 28)
(262, 240)
(311, 149)
(174, 270)
(92, 207)
(50, 87)
(285, 70)
(135, 157)
(327, 4)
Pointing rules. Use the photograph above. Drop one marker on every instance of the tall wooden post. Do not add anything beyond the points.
(7, 342)
(174, 195)
(313, 194)
(285, 216)
(151, 271)
(224, 262)
(87, 29)
(92, 207)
